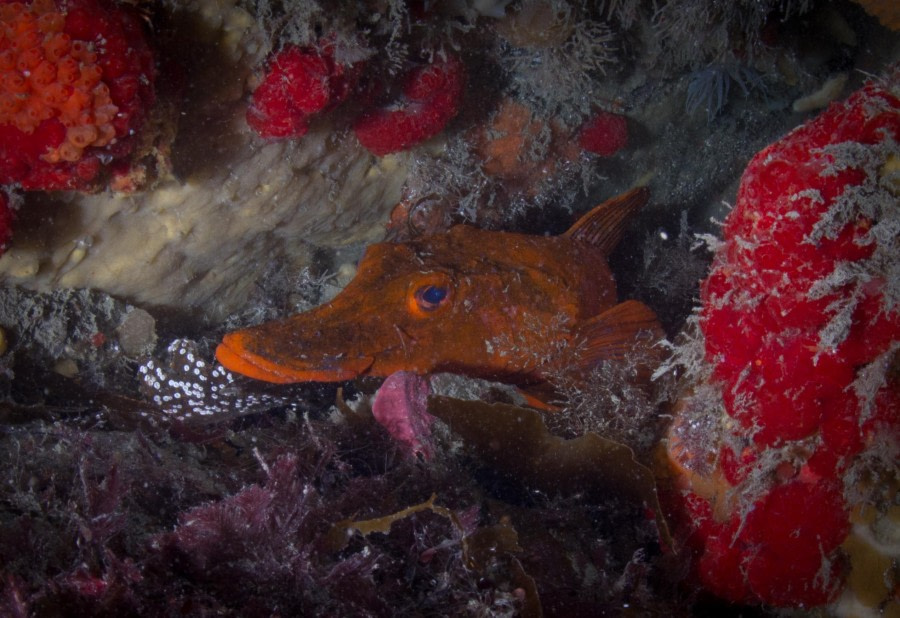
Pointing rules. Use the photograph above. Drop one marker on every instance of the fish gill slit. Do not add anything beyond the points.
(403, 336)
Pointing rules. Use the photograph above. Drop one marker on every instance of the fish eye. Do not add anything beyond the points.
(430, 293)
(430, 297)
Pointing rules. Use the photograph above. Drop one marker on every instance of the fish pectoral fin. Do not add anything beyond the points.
(540, 396)
(630, 327)
(604, 225)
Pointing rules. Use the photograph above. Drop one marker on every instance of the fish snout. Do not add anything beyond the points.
(277, 353)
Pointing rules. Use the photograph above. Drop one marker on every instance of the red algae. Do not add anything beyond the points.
(400, 405)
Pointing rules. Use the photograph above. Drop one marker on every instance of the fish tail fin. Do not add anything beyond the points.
(604, 225)
(629, 328)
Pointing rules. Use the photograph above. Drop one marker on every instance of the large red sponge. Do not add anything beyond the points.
(786, 322)
(801, 328)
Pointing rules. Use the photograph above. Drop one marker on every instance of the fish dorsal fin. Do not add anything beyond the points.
(628, 327)
(603, 226)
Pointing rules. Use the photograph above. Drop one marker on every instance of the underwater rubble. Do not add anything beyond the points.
(225, 163)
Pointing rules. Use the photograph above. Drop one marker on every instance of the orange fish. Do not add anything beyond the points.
(465, 301)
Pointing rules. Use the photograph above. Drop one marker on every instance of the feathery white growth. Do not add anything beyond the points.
(873, 202)
(559, 78)
(872, 378)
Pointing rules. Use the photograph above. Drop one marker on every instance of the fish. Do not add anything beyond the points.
(468, 301)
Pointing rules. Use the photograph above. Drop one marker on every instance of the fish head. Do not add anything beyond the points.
(440, 304)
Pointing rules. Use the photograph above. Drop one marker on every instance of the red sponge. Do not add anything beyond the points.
(431, 100)
(605, 134)
(768, 300)
(801, 326)
(300, 82)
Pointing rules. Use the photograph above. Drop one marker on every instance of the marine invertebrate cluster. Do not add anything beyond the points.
(514, 145)
(77, 80)
(801, 324)
(732, 30)
(709, 87)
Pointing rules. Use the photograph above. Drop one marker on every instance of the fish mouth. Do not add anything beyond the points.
(237, 353)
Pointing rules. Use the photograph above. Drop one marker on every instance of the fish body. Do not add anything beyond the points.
(467, 301)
